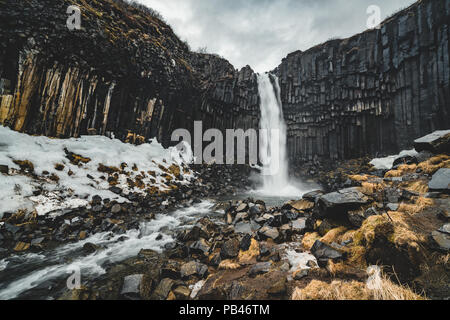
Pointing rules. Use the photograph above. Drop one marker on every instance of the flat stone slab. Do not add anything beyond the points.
(440, 180)
(436, 142)
(442, 239)
(343, 200)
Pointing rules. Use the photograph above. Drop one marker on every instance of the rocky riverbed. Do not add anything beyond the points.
(187, 243)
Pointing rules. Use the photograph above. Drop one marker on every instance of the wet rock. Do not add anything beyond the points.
(278, 288)
(242, 207)
(131, 288)
(170, 269)
(193, 269)
(90, 248)
(182, 293)
(230, 249)
(302, 205)
(299, 226)
(440, 180)
(215, 260)
(406, 159)
(442, 240)
(162, 290)
(243, 227)
(313, 196)
(278, 220)
(341, 201)
(245, 243)
(200, 247)
(358, 217)
(260, 268)
(445, 228)
(194, 234)
(117, 208)
(300, 274)
(255, 211)
(324, 252)
(3, 253)
(4, 169)
(38, 242)
(392, 206)
(241, 216)
(269, 233)
(436, 142)
(236, 291)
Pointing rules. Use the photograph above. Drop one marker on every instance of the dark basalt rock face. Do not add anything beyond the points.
(124, 74)
(374, 92)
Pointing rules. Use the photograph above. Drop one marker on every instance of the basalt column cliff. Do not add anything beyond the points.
(125, 73)
(374, 92)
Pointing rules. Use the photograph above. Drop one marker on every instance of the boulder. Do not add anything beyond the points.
(442, 239)
(230, 249)
(131, 287)
(260, 268)
(269, 232)
(243, 227)
(4, 169)
(193, 268)
(324, 252)
(440, 180)
(313, 196)
(299, 226)
(200, 247)
(436, 142)
(341, 201)
(162, 290)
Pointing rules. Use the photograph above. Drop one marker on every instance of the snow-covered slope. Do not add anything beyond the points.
(69, 172)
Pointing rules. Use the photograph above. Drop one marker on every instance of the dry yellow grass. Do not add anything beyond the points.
(369, 188)
(309, 239)
(354, 290)
(358, 178)
(434, 164)
(229, 265)
(420, 204)
(401, 171)
(334, 235)
(418, 186)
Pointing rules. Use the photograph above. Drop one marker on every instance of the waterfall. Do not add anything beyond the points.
(273, 138)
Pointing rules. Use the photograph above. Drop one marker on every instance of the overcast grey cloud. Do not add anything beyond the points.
(262, 32)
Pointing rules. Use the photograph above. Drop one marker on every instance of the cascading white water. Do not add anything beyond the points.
(273, 138)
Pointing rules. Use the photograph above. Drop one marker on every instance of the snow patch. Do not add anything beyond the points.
(388, 162)
(299, 260)
(78, 183)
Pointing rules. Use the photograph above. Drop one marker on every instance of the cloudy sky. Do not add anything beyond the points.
(262, 32)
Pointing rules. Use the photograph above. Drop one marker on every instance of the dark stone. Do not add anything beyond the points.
(245, 242)
(193, 269)
(299, 226)
(313, 196)
(244, 228)
(162, 290)
(440, 180)
(324, 252)
(341, 201)
(90, 248)
(268, 232)
(131, 287)
(436, 142)
(230, 249)
(260, 268)
(200, 247)
(442, 240)
(404, 160)
(4, 169)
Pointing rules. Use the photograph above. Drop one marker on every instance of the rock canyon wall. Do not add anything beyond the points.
(374, 92)
(126, 74)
